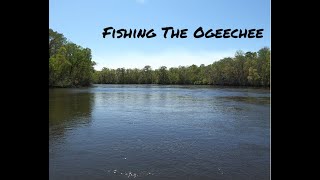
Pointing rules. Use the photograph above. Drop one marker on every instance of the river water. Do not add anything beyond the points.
(159, 132)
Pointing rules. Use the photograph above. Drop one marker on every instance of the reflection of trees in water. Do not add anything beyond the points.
(69, 108)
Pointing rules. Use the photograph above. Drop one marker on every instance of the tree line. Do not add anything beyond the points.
(244, 69)
(70, 65)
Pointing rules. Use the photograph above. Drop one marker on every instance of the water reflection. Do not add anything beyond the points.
(248, 99)
(69, 105)
(68, 109)
(159, 132)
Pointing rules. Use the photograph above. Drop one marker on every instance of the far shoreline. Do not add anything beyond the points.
(186, 85)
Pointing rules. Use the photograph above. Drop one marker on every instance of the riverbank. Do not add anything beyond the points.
(168, 85)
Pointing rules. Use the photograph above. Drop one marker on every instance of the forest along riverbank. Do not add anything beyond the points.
(71, 65)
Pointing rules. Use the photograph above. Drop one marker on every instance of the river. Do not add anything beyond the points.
(159, 132)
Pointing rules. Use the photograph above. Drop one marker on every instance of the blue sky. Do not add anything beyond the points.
(83, 21)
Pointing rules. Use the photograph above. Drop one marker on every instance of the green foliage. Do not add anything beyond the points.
(56, 41)
(245, 69)
(70, 65)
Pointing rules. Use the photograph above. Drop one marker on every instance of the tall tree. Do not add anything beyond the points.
(56, 41)
(69, 64)
(244, 69)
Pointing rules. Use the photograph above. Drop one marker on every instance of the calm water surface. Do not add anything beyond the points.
(159, 132)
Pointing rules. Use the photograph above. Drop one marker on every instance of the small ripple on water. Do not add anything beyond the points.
(128, 174)
(220, 171)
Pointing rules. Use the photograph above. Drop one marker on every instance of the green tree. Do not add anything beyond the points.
(163, 77)
(69, 64)
(244, 69)
(56, 41)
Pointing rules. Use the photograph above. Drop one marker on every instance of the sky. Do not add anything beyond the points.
(82, 22)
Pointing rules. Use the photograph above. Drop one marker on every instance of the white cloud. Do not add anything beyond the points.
(155, 60)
